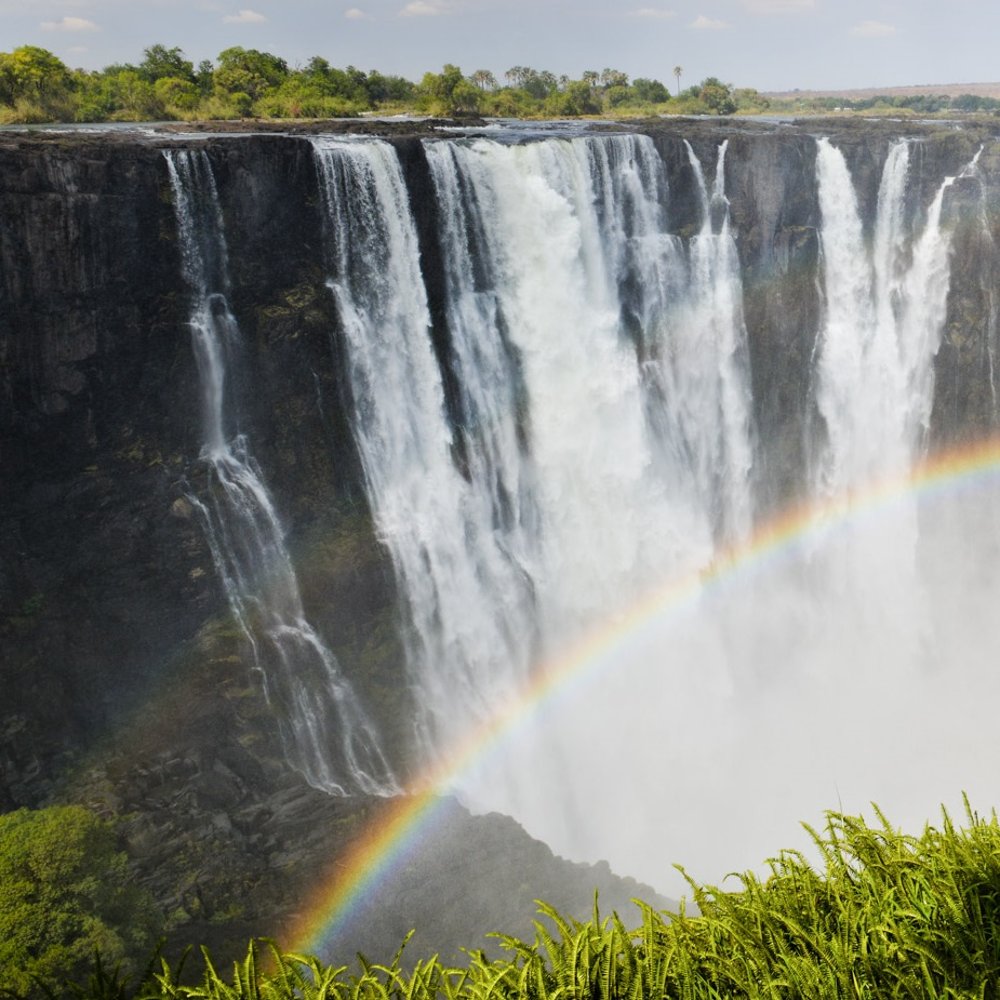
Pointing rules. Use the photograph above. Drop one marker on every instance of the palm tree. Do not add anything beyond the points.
(677, 72)
(484, 79)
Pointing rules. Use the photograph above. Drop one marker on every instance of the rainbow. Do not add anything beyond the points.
(403, 823)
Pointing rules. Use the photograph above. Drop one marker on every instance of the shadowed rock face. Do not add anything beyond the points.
(124, 684)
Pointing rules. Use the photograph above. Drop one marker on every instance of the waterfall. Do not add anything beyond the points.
(704, 368)
(885, 305)
(326, 733)
(557, 226)
(553, 417)
(463, 652)
(602, 440)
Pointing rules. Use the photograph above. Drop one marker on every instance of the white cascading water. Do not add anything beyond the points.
(885, 305)
(864, 640)
(326, 733)
(586, 481)
(453, 569)
(555, 220)
(703, 368)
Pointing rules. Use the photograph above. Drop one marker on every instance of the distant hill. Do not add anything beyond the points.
(860, 94)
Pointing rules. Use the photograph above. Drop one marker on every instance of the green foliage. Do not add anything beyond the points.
(320, 78)
(122, 94)
(159, 62)
(64, 894)
(34, 84)
(650, 91)
(249, 71)
(903, 104)
(717, 96)
(298, 98)
(578, 97)
(34, 73)
(484, 79)
(884, 915)
(449, 93)
(389, 89)
(176, 94)
(535, 83)
(749, 100)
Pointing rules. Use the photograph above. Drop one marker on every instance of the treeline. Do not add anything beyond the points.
(36, 86)
(919, 104)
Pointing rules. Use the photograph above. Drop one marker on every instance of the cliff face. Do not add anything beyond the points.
(108, 595)
(95, 393)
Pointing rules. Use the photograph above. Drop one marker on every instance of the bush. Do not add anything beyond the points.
(65, 893)
(296, 99)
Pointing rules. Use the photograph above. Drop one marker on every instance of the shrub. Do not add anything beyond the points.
(65, 893)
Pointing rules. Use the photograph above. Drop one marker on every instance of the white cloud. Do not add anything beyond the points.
(245, 17)
(69, 24)
(702, 23)
(778, 6)
(424, 8)
(355, 14)
(653, 12)
(873, 29)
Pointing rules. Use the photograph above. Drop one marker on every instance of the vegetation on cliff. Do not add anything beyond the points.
(65, 892)
(885, 914)
(35, 86)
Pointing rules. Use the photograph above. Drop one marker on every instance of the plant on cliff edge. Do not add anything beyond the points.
(64, 894)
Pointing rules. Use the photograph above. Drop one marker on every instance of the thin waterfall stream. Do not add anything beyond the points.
(327, 734)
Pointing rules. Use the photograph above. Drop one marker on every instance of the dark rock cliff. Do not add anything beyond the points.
(122, 680)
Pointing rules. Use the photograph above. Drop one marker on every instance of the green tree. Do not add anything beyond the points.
(450, 92)
(33, 74)
(613, 78)
(249, 71)
(539, 84)
(204, 76)
(678, 70)
(348, 84)
(118, 94)
(65, 892)
(176, 92)
(717, 96)
(749, 99)
(383, 89)
(578, 97)
(649, 91)
(517, 75)
(484, 79)
(159, 62)
(616, 97)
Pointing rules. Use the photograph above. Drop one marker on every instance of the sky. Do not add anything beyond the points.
(767, 44)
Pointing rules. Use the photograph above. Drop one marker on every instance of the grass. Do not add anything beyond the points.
(883, 914)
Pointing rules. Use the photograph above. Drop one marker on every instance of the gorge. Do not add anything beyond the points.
(321, 451)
